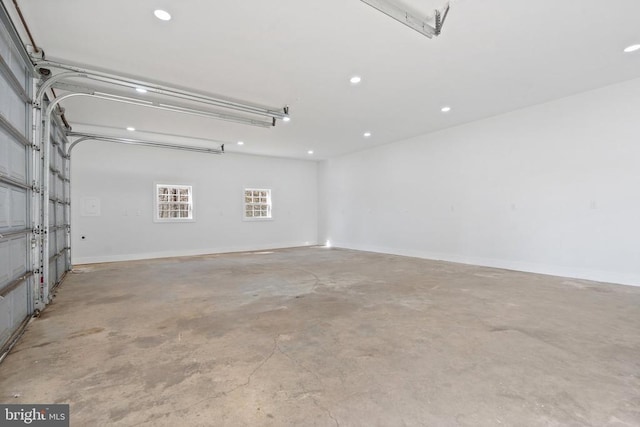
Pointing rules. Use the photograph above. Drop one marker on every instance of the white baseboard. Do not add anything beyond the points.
(194, 252)
(550, 270)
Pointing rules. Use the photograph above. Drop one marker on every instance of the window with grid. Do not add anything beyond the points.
(257, 203)
(174, 202)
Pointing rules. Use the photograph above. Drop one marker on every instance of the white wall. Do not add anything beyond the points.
(122, 178)
(553, 188)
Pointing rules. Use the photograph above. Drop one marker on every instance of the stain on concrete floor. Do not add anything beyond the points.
(319, 337)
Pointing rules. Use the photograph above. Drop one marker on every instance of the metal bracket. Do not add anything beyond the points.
(440, 17)
(416, 23)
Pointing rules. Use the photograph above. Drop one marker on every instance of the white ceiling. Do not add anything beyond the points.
(493, 56)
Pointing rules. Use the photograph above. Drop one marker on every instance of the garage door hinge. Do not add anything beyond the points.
(34, 187)
(35, 147)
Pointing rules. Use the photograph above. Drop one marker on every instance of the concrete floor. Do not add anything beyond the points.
(313, 336)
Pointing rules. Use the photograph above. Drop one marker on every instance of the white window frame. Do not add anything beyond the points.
(158, 201)
(256, 204)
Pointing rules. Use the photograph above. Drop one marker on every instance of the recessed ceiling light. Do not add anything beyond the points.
(240, 143)
(130, 128)
(162, 15)
(445, 109)
(310, 152)
(355, 80)
(141, 90)
(366, 134)
(632, 48)
(286, 119)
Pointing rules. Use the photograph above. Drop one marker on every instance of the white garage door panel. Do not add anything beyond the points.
(52, 244)
(52, 185)
(59, 214)
(5, 263)
(18, 209)
(60, 240)
(13, 259)
(6, 318)
(11, 57)
(52, 156)
(17, 166)
(17, 112)
(59, 188)
(53, 275)
(15, 63)
(52, 213)
(4, 102)
(5, 209)
(20, 302)
(13, 310)
(5, 51)
(61, 267)
(59, 159)
(18, 249)
(5, 141)
(16, 296)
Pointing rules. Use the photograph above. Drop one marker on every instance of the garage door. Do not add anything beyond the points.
(16, 279)
(59, 201)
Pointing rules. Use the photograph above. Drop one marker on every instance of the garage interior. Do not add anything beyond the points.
(371, 212)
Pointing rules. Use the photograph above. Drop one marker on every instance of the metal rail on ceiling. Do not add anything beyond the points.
(215, 101)
(159, 105)
(131, 141)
